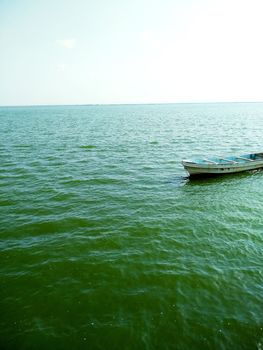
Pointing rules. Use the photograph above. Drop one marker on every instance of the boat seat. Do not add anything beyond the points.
(209, 161)
(228, 160)
(247, 159)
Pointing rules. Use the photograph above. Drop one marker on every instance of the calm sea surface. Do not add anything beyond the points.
(106, 244)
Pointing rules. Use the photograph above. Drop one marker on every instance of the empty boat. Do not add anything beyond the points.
(223, 165)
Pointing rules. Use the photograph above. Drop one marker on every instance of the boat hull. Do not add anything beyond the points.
(220, 169)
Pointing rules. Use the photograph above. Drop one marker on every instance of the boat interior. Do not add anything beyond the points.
(229, 160)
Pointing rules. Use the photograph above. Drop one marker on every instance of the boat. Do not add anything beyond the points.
(223, 165)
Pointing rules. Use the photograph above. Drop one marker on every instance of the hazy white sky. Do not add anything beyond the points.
(139, 51)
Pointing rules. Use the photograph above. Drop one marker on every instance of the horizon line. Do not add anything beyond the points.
(124, 104)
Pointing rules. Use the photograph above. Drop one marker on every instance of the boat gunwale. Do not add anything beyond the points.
(222, 165)
(211, 164)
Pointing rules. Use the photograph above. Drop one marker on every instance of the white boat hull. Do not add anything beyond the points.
(197, 169)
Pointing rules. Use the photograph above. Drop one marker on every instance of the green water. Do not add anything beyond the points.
(106, 244)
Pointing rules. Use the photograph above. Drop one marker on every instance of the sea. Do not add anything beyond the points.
(107, 244)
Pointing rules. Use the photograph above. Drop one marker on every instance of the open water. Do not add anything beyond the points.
(105, 242)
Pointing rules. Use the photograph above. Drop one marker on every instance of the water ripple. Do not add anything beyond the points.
(105, 240)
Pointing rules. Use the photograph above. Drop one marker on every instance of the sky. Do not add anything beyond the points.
(139, 51)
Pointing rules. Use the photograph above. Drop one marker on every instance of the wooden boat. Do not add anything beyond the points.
(223, 165)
